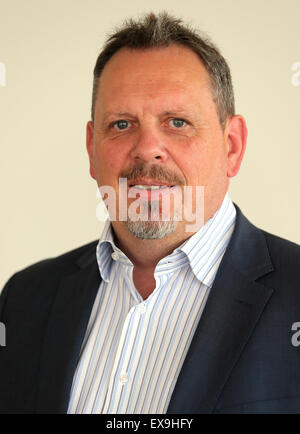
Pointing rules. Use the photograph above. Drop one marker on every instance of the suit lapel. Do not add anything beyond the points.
(65, 332)
(233, 308)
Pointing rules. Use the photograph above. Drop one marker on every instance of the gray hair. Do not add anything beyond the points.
(162, 30)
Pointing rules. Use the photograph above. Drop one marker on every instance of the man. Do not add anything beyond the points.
(153, 318)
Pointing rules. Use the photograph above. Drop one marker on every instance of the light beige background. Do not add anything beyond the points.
(49, 48)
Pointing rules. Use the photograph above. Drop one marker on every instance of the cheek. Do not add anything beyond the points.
(109, 161)
(193, 162)
(202, 163)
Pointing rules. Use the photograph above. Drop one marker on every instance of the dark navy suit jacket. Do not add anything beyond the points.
(241, 359)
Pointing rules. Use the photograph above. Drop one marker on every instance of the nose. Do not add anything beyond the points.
(149, 147)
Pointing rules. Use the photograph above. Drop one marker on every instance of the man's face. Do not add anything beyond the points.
(155, 121)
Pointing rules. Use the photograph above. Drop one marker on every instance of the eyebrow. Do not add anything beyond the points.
(117, 114)
(174, 112)
(184, 111)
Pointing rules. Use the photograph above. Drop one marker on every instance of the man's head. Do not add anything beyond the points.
(163, 113)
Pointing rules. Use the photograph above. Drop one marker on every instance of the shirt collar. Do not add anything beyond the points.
(201, 249)
(206, 247)
(105, 248)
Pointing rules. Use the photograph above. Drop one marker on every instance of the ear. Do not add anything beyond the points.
(236, 138)
(89, 146)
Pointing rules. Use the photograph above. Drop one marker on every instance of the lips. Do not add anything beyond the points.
(149, 187)
(150, 191)
(149, 183)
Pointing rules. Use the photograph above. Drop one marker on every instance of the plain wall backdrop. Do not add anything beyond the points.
(48, 49)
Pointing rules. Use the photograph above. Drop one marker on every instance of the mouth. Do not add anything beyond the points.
(150, 185)
(151, 190)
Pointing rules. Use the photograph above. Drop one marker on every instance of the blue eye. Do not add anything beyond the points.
(121, 124)
(178, 123)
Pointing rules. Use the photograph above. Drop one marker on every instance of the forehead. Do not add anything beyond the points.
(138, 71)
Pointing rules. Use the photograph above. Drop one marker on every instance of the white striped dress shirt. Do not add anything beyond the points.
(134, 349)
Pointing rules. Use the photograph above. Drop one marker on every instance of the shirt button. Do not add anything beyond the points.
(123, 378)
(115, 256)
(141, 308)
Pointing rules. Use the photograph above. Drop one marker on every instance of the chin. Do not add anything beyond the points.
(148, 230)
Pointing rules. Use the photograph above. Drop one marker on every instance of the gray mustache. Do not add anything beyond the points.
(154, 172)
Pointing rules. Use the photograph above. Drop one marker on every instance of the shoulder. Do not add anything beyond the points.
(284, 278)
(253, 248)
(62, 264)
(284, 253)
(42, 277)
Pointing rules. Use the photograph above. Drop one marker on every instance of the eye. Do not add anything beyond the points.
(121, 124)
(178, 123)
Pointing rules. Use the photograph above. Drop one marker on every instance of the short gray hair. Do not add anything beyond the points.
(162, 30)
